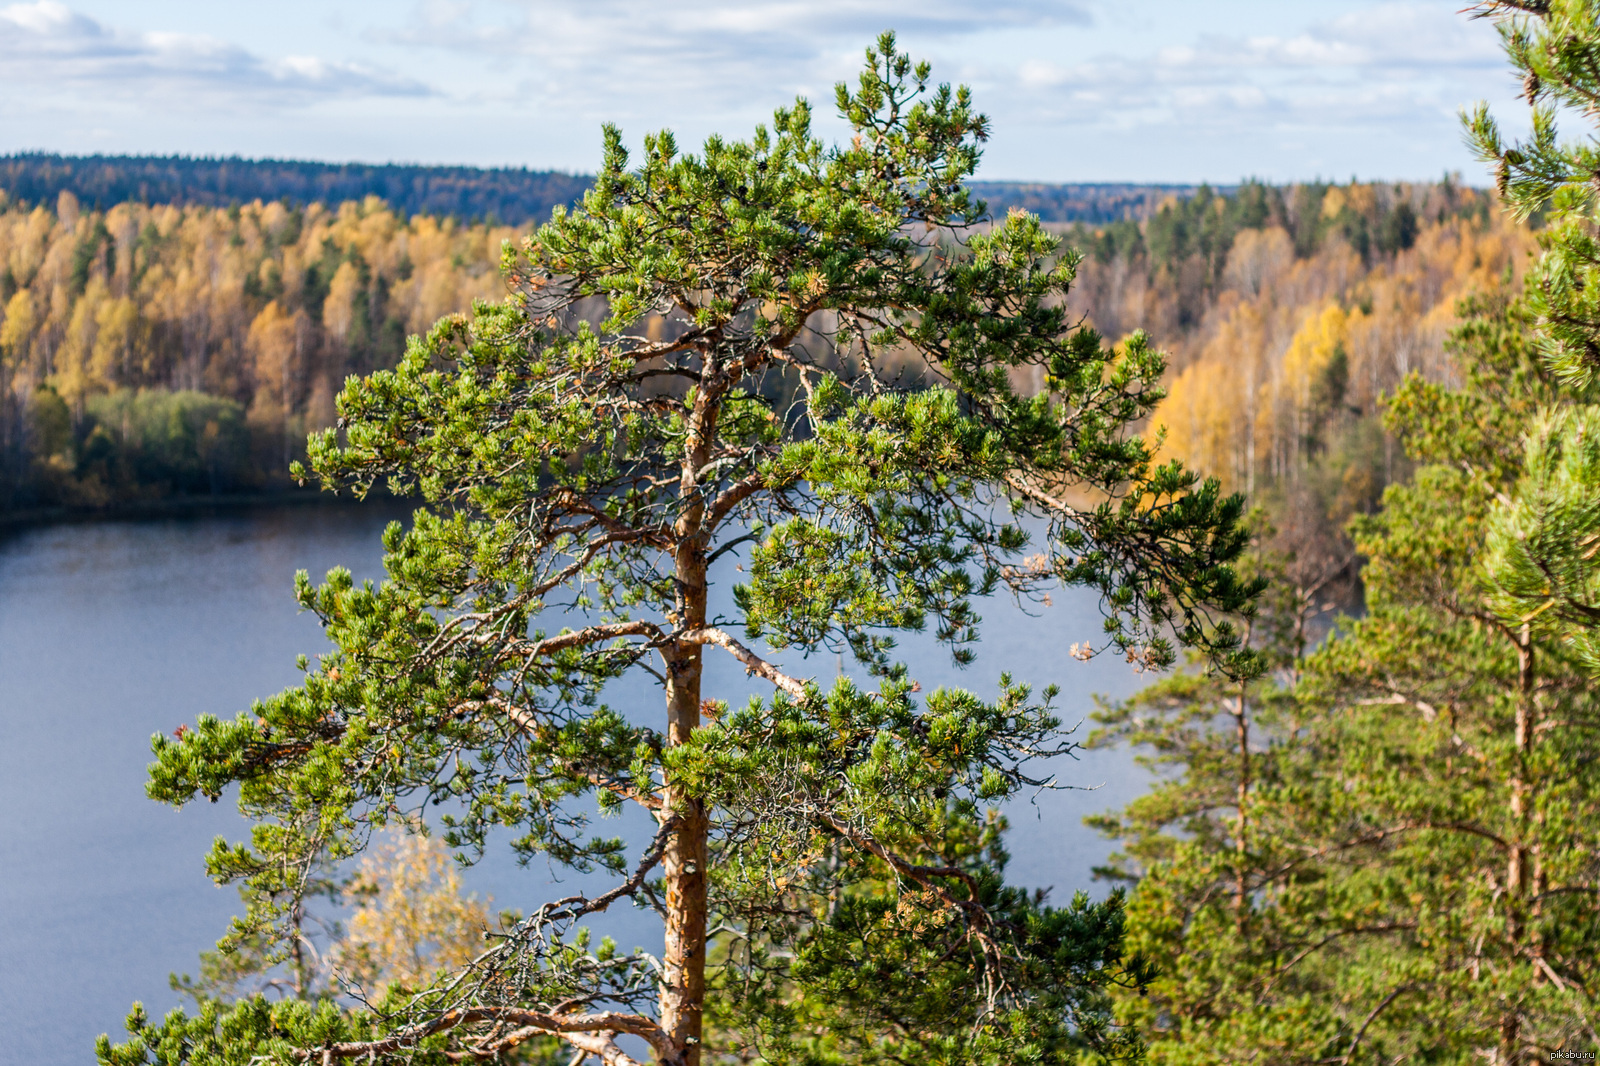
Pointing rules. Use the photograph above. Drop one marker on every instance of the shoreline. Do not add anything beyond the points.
(179, 506)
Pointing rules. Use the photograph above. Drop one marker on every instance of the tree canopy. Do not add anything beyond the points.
(823, 376)
(1378, 850)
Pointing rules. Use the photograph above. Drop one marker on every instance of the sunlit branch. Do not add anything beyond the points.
(693, 340)
(572, 908)
(753, 663)
(603, 1027)
(926, 876)
(593, 635)
(1030, 489)
(733, 496)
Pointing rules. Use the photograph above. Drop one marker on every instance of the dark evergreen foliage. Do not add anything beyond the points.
(513, 195)
(1093, 203)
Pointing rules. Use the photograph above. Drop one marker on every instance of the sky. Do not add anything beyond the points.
(1077, 90)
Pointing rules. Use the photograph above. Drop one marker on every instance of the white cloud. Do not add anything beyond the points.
(51, 46)
(618, 57)
(1394, 62)
(1077, 89)
(1393, 37)
(630, 27)
(47, 18)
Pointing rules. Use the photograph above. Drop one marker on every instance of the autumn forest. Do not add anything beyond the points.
(158, 351)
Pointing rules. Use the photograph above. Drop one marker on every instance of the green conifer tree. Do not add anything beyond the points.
(1408, 872)
(818, 357)
(1544, 544)
(1396, 863)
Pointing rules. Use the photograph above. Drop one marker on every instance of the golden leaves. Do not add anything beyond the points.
(412, 921)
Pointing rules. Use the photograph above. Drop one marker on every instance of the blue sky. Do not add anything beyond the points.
(1079, 90)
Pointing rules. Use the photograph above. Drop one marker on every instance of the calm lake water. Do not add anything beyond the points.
(112, 631)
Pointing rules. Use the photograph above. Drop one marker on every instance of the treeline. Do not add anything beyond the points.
(1289, 314)
(1167, 273)
(512, 195)
(1091, 204)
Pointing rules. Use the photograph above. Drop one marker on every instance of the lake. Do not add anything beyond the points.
(111, 631)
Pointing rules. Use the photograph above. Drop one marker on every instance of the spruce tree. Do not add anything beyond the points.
(824, 376)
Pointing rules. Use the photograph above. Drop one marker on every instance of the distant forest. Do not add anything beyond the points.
(153, 346)
(510, 195)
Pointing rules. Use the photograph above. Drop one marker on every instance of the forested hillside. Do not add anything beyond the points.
(150, 350)
(1289, 314)
(158, 349)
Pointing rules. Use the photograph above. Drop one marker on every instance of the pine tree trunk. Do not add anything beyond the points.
(1517, 865)
(684, 865)
(683, 989)
(1521, 810)
(1510, 1041)
(1241, 719)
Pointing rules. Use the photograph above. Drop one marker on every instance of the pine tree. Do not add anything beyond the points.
(1407, 871)
(1544, 545)
(1417, 869)
(811, 356)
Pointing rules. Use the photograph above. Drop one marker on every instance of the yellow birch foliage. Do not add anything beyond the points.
(276, 343)
(339, 309)
(170, 297)
(412, 920)
(16, 330)
(272, 307)
(74, 377)
(1200, 414)
(1313, 348)
(1241, 395)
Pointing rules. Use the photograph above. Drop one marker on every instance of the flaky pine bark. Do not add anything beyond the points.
(1241, 719)
(683, 986)
(1517, 864)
